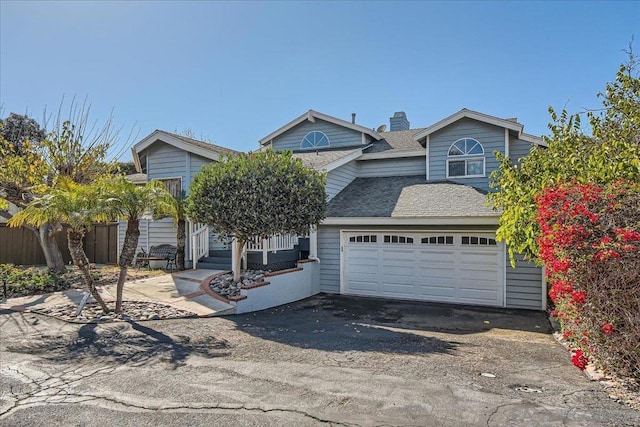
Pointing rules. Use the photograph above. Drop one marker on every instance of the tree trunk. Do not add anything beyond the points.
(53, 256)
(236, 260)
(126, 257)
(181, 238)
(80, 260)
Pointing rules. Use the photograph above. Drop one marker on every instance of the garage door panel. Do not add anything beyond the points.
(479, 258)
(435, 270)
(477, 274)
(435, 257)
(398, 270)
(455, 272)
(363, 284)
(363, 255)
(398, 255)
(437, 294)
(398, 289)
(477, 295)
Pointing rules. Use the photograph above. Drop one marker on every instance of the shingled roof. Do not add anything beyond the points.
(320, 159)
(401, 140)
(408, 197)
(201, 144)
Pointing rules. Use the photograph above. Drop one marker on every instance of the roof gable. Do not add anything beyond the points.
(481, 117)
(311, 116)
(201, 148)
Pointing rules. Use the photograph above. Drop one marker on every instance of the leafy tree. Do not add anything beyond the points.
(258, 194)
(18, 129)
(73, 148)
(130, 202)
(609, 153)
(78, 206)
(126, 168)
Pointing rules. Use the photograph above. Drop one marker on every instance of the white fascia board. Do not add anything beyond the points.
(347, 124)
(301, 118)
(464, 113)
(532, 139)
(136, 160)
(171, 140)
(343, 160)
(460, 220)
(393, 154)
(311, 116)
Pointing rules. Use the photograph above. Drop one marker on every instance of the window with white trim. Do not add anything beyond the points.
(315, 139)
(465, 159)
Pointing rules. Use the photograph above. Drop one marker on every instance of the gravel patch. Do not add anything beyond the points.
(131, 310)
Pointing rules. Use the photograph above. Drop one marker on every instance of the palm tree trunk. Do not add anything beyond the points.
(47, 239)
(126, 257)
(80, 260)
(181, 239)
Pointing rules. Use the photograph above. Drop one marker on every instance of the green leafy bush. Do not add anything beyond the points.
(28, 281)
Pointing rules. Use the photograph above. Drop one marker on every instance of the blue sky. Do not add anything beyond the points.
(234, 72)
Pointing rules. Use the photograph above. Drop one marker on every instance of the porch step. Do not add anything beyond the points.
(220, 253)
(216, 260)
(213, 266)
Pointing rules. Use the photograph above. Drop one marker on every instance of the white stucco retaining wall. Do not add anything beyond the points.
(282, 289)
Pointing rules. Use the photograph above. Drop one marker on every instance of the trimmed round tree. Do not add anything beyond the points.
(257, 194)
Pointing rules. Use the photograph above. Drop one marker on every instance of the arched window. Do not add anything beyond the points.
(466, 159)
(315, 139)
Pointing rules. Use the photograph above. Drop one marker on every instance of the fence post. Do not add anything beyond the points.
(265, 248)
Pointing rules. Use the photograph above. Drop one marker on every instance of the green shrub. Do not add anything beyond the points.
(28, 281)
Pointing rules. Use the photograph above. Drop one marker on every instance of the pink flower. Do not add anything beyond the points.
(607, 328)
(578, 297)
(579, 360)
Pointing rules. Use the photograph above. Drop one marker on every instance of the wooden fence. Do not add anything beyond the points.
(20, 246)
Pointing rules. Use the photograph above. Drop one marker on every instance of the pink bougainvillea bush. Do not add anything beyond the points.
(590, 246)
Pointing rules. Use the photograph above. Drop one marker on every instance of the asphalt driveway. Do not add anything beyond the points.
(325, 360)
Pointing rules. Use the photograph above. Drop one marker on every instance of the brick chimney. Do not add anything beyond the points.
(399, 121)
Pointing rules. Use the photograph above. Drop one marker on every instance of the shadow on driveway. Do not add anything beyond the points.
(130, 342)
(346, 323)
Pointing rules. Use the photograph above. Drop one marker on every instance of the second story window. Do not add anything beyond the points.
(174, 186)
(465, 159)
(315, 139)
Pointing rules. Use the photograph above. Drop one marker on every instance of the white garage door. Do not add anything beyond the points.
(445, 267)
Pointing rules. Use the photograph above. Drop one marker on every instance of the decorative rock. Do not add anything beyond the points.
(226, 287)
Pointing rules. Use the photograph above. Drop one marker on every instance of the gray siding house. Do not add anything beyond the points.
(408, 215)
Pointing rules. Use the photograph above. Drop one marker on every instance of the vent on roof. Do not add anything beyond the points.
(399, 121)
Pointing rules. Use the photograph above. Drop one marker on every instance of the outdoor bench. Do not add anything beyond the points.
(158, 253)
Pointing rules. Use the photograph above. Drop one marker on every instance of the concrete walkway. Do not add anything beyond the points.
(180, 289)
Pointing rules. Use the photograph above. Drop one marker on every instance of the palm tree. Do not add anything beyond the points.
(130, 202)
(76, 205)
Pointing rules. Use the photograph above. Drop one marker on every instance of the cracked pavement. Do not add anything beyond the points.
(327, 360)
